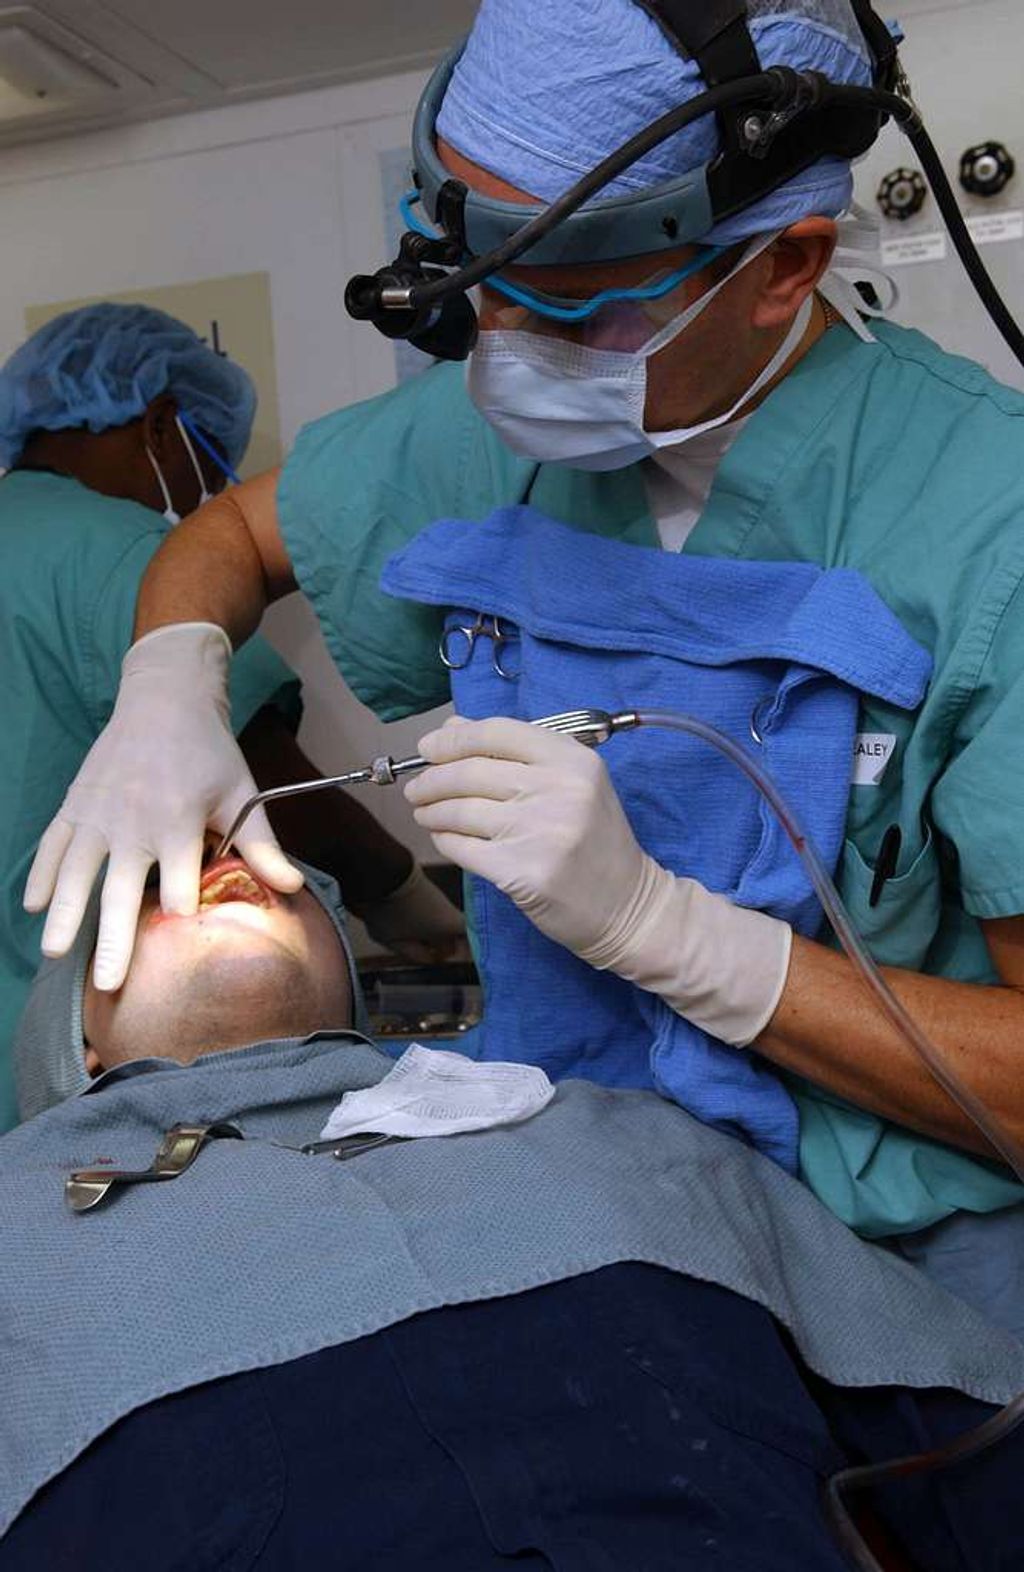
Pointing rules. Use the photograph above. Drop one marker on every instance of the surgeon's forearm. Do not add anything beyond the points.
(829, 1029)
(223, 564)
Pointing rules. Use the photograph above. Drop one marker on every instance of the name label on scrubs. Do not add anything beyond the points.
(872, 751)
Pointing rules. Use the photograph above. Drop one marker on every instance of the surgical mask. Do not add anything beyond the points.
(558, 401)
(855, 261)
(171, 513)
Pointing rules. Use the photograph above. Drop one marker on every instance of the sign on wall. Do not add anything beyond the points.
(233, 315)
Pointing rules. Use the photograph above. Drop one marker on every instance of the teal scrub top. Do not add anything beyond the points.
(895, 459)
(71, 562)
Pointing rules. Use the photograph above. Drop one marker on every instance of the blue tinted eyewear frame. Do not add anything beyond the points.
(559, 309)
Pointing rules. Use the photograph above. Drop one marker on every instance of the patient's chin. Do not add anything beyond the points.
(236, 972)
(226, 997)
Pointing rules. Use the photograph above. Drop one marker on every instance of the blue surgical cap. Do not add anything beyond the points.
(102, 365)
(543, 92)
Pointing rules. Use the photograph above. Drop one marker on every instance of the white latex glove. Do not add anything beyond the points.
(417, 921)
(165, 767)
(537, 815)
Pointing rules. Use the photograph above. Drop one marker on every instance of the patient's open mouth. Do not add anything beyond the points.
(231, 880)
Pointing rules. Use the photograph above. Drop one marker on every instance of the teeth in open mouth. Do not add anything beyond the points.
(235, 885)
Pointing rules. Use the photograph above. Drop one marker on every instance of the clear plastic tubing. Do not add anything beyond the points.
(852, 943)
(1008, 1418)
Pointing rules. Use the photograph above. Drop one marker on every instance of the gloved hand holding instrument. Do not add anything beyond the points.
(538, 816)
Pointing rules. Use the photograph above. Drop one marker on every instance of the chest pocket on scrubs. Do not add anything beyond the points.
(898, 919)
(777, 647)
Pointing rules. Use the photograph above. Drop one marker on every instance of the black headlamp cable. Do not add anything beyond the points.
(408, 298)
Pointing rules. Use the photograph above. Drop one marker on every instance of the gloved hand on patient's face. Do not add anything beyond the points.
(537, 815)
(165, 767)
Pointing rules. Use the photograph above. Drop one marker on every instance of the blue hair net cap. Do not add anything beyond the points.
(102, 365)
(542, 93)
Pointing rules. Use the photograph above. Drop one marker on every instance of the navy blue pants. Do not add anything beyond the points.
(630, 1420)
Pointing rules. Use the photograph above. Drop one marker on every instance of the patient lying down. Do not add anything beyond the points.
(251, 964)
(450, 1353)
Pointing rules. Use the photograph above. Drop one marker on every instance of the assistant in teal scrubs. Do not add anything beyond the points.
(113, 420)
(71, 561)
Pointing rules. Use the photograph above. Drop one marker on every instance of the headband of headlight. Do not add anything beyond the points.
(756, 155)
(773, 125)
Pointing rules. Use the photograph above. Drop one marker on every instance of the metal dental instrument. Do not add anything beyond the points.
(379, 772)
(178, 1150)
(591, 727)
(344, 1147)
(86, 1188)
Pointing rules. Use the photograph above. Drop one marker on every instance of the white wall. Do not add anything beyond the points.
(291, 186)
(964, 59)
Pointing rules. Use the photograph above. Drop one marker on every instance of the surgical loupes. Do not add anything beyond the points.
(591, 727)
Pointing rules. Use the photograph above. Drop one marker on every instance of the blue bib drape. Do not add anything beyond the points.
(780, 649)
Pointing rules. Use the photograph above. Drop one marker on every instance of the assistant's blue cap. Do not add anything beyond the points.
(543, 93)
(102, 365)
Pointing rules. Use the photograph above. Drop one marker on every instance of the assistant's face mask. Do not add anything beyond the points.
(171, 513)
(562, 402)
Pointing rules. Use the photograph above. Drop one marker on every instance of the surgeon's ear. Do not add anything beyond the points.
(796, 263)
(158, 426)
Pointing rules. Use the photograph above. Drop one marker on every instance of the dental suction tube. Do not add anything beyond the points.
(998, 1138)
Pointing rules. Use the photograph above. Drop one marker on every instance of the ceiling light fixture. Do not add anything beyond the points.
(39, 69)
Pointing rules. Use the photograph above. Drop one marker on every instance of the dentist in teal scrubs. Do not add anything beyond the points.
(776, 425)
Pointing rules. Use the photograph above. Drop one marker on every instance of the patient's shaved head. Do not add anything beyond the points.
(249, 966)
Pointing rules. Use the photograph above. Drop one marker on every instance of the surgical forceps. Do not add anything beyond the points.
(591, 727)
(88, 1188)
(458, 642)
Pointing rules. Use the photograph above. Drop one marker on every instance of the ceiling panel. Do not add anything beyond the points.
(201, 53)
(243, 43)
